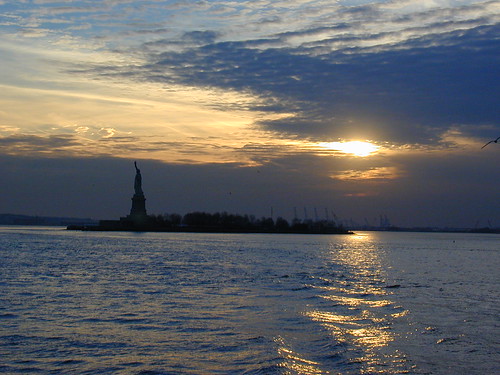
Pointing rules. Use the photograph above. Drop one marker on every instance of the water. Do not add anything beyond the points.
(181, 303)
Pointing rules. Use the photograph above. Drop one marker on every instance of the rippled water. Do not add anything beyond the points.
(180, 303)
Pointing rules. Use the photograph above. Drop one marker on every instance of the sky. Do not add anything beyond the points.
(294, 108)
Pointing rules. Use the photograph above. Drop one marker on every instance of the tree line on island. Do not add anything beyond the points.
(139, 220)
(226, 222)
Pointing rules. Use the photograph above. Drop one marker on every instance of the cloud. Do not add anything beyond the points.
(30, 144)
(407, 93)
(404, 72)
(381, 174)
(200, 37)
(58, 10)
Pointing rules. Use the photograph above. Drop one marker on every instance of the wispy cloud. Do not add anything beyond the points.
(380, 174)
(33, 144)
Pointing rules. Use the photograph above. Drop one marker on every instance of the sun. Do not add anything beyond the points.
(357, 148)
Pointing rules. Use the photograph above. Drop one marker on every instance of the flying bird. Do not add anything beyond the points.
(492, 141)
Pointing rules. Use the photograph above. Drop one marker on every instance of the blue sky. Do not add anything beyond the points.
(226, 90)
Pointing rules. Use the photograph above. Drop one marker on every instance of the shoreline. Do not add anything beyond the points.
(192, 229)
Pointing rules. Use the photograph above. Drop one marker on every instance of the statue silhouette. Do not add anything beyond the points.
(138, 181)
(138, 211)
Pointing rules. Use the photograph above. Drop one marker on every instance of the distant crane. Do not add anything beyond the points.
(492, 141)
(384, 221)
(477, 223)
(335, 218)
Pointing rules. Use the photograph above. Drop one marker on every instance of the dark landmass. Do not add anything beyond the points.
(428, 229)
(217, 223)
(139, 221)
(12, 219)
(214, 223)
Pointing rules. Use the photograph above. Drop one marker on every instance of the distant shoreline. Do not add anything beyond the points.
(91, 228)
(14, 219)
(219, 222)
(88, 224)
(191, 229)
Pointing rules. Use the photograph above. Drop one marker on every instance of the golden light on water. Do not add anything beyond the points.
(356, 148)
(358, 301)
(293, 362)
(363, 310)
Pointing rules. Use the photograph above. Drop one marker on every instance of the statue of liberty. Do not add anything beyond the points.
(138, 181)
(138, 211)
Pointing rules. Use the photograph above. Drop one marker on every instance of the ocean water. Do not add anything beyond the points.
(183, 303)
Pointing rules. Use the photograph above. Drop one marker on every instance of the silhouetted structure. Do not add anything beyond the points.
(138, 213)
(139, 220)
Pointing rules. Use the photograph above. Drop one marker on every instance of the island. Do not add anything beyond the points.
(139, 221)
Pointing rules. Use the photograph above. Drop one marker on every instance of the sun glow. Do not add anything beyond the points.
(357, 148)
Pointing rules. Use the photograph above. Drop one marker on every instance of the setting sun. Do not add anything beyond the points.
(357, 148)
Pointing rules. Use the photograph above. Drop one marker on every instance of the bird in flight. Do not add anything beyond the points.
(492, 141)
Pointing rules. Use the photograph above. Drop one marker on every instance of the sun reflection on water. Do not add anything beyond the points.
(357, 301)
(293, 362)
(361, 312)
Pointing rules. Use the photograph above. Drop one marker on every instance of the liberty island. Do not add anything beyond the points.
(138, 220)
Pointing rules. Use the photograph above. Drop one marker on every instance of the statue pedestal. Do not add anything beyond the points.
(138, 214)
(138, 206)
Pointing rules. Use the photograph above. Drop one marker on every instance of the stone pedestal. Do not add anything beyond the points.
(138, 206)
(138, 215)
